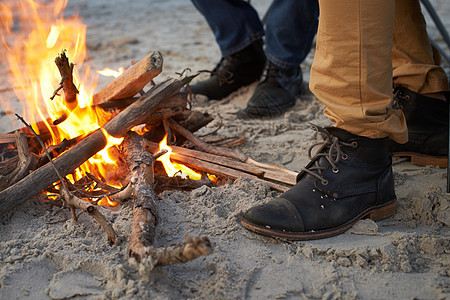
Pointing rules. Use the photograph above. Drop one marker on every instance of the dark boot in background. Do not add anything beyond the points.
(233, 72)
(275, 94)
(427, 121)
(348, 179)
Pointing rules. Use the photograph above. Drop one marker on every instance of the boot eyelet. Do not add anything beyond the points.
(354, 144)
(335, 170)
(344, 157)
(324, 182)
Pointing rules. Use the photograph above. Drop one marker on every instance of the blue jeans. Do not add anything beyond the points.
(290, 27)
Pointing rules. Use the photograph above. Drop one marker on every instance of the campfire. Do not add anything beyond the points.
(127, 142)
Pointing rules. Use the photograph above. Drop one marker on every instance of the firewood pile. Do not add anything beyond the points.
(31, 166)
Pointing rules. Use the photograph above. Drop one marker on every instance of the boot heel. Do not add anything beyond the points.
(424, 160)
(383, 212)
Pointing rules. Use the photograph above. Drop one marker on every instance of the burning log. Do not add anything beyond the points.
(135, 114)
(7, 138)
(56, 150)
(132, 80)
(70, 90)
(158, 128)
(145, 216)
(222, 151)
(219, 170)
(33, 145)
(229, 168)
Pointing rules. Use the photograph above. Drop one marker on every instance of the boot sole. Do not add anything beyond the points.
(424, 160)
(374, 213)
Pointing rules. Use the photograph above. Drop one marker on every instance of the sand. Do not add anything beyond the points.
(45, 256)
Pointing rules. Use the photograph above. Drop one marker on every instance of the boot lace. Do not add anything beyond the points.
(399, 96)
(270, 72)
(221, 71)
(330, 149)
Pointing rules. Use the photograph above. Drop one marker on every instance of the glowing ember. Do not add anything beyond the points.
(172, 168)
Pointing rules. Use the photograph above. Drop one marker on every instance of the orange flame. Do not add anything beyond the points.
(111, 72)
(172, 168)
(30, 50)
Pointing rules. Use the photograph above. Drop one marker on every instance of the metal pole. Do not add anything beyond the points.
(441, 51)
(437, 21)
(446, 37)
(448, 155)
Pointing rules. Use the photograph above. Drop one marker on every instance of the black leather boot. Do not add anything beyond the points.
(275, 94)
(233, 72)
(348, 179)
(427, 121)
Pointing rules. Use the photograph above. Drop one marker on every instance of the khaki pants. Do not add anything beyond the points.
(364, 47)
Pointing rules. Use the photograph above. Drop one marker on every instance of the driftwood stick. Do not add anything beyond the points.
(164, 183)
(145, 216)
(233, 142)
(132, 80)
(8, 165)
(224, 151)
(67, 162)
(26, 159)
(224, 141)
(60, 177)
(26, 162)
(33, 144)
(101, 184)
(213, 158)
(204, 146)
(193, 120)
(7, 138)
(70, 90)
(264, 171)
(55, 150)
(75, 202)
(173, 106)
(183, 252)
(215, 169)
(126, 193)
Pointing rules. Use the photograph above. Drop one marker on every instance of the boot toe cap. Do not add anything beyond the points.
(278, 214)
